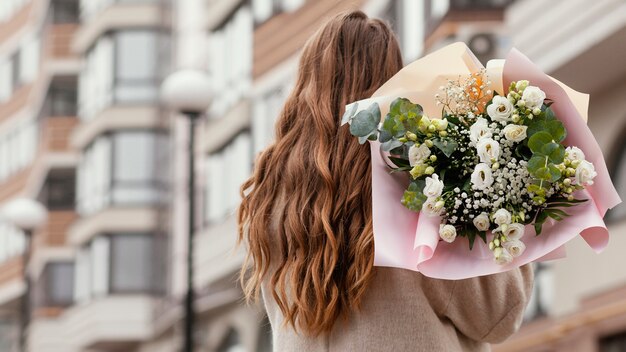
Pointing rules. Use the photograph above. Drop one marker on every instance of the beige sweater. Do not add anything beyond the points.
(406, 311)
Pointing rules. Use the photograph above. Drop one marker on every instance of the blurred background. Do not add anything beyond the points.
(84, 132)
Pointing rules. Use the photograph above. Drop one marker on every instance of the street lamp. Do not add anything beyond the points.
(188, 92)
(27, 215)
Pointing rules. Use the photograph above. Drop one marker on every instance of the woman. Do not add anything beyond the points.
(306, 216)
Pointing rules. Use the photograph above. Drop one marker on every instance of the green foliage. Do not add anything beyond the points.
(446, 145)
(365, 123)
(413, 198)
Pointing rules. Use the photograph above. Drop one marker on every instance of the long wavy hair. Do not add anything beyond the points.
(322, 248)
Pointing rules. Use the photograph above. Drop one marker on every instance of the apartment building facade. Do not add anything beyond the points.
(83, 131)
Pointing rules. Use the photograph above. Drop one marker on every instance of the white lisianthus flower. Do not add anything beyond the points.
(488, 150)
(514, 231)
(514, 247)
(500, 109)
(433, 207)
(434, 186)
(482, 222)
(480, 129)
(423, 124)
(574, 153)
(482, 177)
(502, 216)
(441, 125)
(515, 133)
(533, 96)
(585, 172)
(447, 233)
(417, 155)
(502, 256)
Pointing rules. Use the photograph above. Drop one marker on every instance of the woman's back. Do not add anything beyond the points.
(402, 310)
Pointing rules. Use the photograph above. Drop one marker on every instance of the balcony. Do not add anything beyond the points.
(57, 132)
(98, 324)
(19, 20)
(54, 232)
(117, 16)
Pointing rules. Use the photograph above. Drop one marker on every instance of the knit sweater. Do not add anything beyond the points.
(403, 310)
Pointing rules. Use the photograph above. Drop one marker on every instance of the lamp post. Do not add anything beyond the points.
(27, 215)
(188, 92)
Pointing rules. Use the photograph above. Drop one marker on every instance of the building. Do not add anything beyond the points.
(83, 131)
(580, 301)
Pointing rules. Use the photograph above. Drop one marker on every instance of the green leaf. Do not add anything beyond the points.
(349, 113)
(554, 151)
(543, 173)
(537, 141)
(363, 124)
(471, 236)
(539, 220)
(374, 109)
(483, 235)
(413, 198)
(393, 126)
(400, 162)
(447, 146)
(390, 144)
(555, 173)
(556, 129)
(535, 163)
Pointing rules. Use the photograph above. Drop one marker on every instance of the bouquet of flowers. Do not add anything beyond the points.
(459, 155)
(490, 163)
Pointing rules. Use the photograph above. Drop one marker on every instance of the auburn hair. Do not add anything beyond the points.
(322, 249)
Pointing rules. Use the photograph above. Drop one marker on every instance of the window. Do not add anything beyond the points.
(65, 11)
(136, 66)
(121, 68)
(615, 343)
(225, 171)
(62, 98)
(231, 60)
(120, 263)
(18, 147)
(54, 287)
(123, 168)
(58, 192)
(265, 9)
(12, 242)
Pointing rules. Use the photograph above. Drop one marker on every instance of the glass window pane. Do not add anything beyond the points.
(135, 55)
(134, 157)
(132, 258)
(59, 283)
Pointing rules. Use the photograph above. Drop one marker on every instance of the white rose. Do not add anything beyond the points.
(488, 149)
(432, 207)
(574, 153)
(447, 233)
(515, 133)
(441, 125)
(585, 172)
(533, 96)
(500, 109)
(482, 222)
(479, 130)
(482, 177)
(502, 256)
(434, 186)
(514, 247)
(514, 231)
(502, 216)
(418, 154)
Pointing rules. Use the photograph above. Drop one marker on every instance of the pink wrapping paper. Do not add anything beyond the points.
(405, 239)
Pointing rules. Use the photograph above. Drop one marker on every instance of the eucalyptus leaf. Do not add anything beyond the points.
(555, 173)
(535, 163)
(537, 141)
(554, 151)
(390, 144)
(363, 124)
